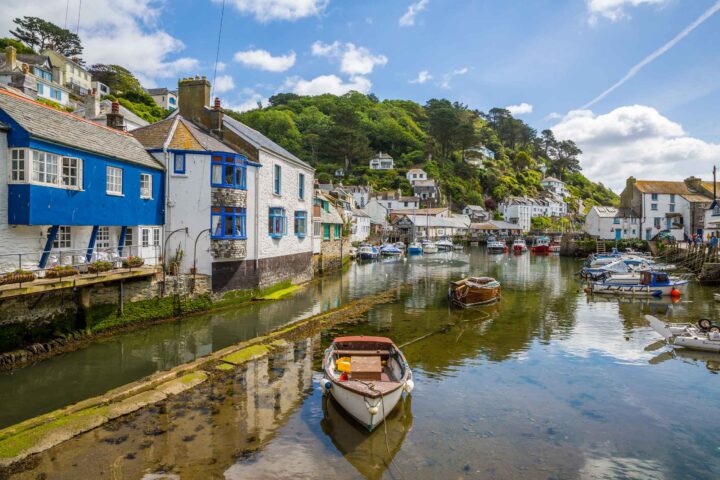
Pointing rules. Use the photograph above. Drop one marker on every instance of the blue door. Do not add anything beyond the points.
(618, 233)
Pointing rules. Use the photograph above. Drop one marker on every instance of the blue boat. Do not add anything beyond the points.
(367, 252)
(390, 250)
(651, 284)
(414, 249)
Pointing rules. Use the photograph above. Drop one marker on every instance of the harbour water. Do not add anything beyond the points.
(549, 383)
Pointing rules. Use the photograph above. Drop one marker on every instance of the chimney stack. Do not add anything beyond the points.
(115, 119)
(694, 184)
(194, 98)
(92, 105)
(10, 58)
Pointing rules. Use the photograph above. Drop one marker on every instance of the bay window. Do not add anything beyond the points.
(45, 168)
(17, 165)
(277, 222)
(228, 223)
(229, 171)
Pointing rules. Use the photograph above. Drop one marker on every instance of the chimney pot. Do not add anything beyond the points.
(115, 107)
(217, 104)
(10, 58)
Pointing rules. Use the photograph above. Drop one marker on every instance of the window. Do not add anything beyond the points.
(672, 198)
(38, 72)
(145, 185)
(277, 224)
(616, 221)
(338, 230)
(72, 172)
(56, 94)
(149, 237)
(45, 167)
(179, 164)
(228, 222)
(145, 235)
(229, 171)
(129, 237)
(653, 206)
(278, 180)
(40, 88)
(658, 221)
(301, 186)
(316, 229)
(672, 207)
(654, 197)
(63, 239)
(114, 181)
(300, 223)
(326, 231)
(156, 236)
(17, 165)
(103, 238)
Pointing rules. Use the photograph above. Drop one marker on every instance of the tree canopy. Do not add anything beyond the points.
(40, 34)
(19, 46)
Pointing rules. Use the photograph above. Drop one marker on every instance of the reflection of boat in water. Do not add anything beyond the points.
(367, 376)
(473, 291)
(367, 451)
(705, 336)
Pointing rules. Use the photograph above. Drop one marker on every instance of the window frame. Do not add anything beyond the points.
(18, 166)
(148, 177)
(66, 163)
(63, 238)
(300, 223)
(653, 207)
(301, 186)
(176, 170)
(276, 214)
(236, 163)
(111, 176)
(277, 179)
(238, 217)
(45, 168)
(102, 240)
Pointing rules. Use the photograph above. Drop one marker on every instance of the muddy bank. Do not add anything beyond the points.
(36, 435)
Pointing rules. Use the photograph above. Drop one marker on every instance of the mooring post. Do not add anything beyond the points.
(120, 297)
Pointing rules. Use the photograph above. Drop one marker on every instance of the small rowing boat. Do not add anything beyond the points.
(366, 376)
(473, 291)
(705, 337)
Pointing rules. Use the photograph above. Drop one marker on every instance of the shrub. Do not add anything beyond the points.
(133, 262)
(60, 271)
(100, 266)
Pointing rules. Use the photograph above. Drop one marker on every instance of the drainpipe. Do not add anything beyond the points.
(166, 157)
(257, 215)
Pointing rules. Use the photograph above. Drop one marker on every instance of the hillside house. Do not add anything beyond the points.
(360, 194)
(415, 175)
(476, 213)
(33, 75)
(427, 191)
(610, 223)
(73, 191)
(382, 161)
(521, 210)
(554, 185)
(73, 75)
(166, 99)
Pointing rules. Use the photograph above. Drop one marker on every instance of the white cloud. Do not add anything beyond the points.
(354, 60)
(521, 109)
(614, 10)
(327, 84)
(408, 18)
(637, 141)
(553, 116)
(250, 103)
(445, 83)
(423, 76)
(268, 10)
(223, 83)
(263, 60)
(123, 32)
(657, 53)
(221, 66)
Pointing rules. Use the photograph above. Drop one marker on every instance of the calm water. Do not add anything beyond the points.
(550, 383)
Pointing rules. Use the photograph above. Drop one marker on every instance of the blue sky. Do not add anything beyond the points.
(551, 57)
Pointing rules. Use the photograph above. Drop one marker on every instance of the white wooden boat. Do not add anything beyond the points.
(444, 244)
(687, 336)
(653, 284)
(429, 247)
(366, 376)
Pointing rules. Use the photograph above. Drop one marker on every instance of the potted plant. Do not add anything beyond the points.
(60, 271)
(19, 276)
(100, 266)
(133, 262)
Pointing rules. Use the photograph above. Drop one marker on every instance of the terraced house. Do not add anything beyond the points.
(246, 202)
(71, 189)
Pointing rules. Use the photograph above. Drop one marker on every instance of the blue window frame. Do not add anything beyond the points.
(278, 180)
(56, 94)
(40, 88)
(277, 222)
(229, 171)
(228, 223)
(179, 163)
(654, 197)
(301, 186)
(300, 223)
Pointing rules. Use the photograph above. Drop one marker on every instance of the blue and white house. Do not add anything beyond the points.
(72, 191)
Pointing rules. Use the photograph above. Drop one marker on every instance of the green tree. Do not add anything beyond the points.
(345, 140)
(118, 78)
(40, 34)
(19, 46)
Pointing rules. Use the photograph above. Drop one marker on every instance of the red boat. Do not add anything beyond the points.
(541, 246)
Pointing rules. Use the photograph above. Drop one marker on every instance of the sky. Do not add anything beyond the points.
(636, 83)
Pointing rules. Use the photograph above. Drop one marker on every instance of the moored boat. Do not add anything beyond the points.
(400, 245)
(554, 248)
(705, 336)
(541, 246)
(414, 249)
(654, 284)
(473, 291)
(366, 376)
(519, 246)
(496, 246)
(429, 247)
(367, 252)
(390, 250)
(444, 244)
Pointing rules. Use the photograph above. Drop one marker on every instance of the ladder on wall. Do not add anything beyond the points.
(600, 246)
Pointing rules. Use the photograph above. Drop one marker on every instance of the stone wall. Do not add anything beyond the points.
(331, 255)
(246, 275)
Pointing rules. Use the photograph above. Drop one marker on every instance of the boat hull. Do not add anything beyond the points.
(358, 406)
(541, 249)
(430, 249)
(466, 295)
(414, 250)
(639, 290)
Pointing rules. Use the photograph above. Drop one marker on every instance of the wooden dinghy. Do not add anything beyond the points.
(366, 376)
(473, 291)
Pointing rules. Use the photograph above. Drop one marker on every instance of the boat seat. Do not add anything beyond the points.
(363, 353)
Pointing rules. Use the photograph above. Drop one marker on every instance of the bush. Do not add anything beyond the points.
(133, 262)
(100, 266)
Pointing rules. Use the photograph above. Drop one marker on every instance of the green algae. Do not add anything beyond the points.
(246, 354)
(280, 293)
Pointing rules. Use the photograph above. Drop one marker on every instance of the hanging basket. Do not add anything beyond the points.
(60, 272)
(99, 267)
(18, 276)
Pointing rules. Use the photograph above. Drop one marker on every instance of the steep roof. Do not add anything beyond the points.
(359, 213)
(258, 140)
(185, 136)
(158, 91)
(495, 225)
(64, 128)
(551, 179)
(106, 106)
(475, 207)
(424, 183)
(605, 212)
(416, 170)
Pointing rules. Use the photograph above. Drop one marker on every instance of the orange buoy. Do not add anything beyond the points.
(675, 293)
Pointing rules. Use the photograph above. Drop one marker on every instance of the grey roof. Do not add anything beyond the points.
(258, 140)
(65, 128)
(475, 207)
(106, 106)
(429, 183)
(32, 59)
(550, 179)
(360, 213)
(158, 91)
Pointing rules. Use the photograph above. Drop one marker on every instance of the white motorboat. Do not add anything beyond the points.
(654, 284)
(496, 246)
(519, 246)
(444, 244)
(429, 247)
(367, 252)
(688, 336)
(366, 376)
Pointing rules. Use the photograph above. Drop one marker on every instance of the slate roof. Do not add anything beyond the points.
(475, 208)
(493, 225)
(359, 213)
(551, 179)
(430, 183)
(612, 212)
(64, 128)
(158, 91)
(187, 136)
(106, 106)
(258, 140)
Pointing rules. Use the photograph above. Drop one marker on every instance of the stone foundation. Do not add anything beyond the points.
(228, 249)
(245, 275)
(331, 255)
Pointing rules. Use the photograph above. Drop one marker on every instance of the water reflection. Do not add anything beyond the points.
(370, 453)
